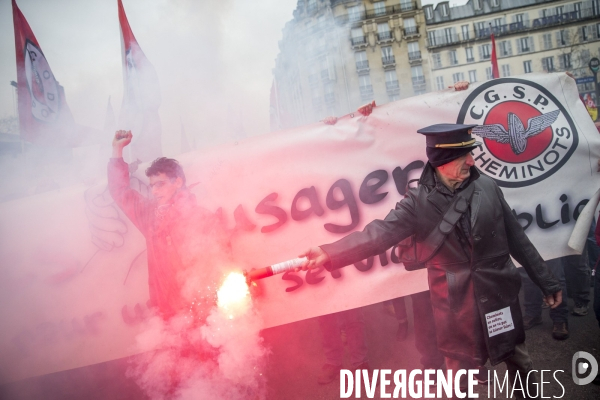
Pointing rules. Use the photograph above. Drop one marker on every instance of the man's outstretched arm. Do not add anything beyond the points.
(132, 203)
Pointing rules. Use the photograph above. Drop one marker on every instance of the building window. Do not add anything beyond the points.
(505, 70)
(410, 27)
(562, 37)
(472, 76)
(548, 64)
(547, 39)
(450, 35)
(584, 34)
(436, 58)
(527, 67)
(525, 45)
(383, 31)
(428, 12)
(406, 5)
(598, 30)
(495, 3)
(559, 10)
(469, 53)
(488, 73)
(379, 8)
(431, 36)
(358, 36)
(394, 97)
(362, 63)
(485, 51)
(465, 32)
(439, 83)
(458, 77)
(519, 19)
(596, 7)
(391, 82)
(414, 53)
(417, 75)
(387, 56)
(453, 58)
(585, 56)
(312, 6)
(477, 4)
(565, 61)
(445, 10)
(355, 13)
(505, 48)
(365, 87)
(577, 10)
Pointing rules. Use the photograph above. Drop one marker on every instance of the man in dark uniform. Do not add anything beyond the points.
(471, 276)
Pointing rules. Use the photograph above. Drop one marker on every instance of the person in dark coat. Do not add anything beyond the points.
(472, 278)
(186, 244)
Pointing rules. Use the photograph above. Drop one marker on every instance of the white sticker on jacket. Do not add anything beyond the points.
(499, 322)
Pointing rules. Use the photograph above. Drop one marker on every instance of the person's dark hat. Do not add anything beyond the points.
(447, 142)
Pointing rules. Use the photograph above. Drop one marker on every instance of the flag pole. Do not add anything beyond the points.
(495, 70)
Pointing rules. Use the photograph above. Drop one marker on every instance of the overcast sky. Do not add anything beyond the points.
(213, 58)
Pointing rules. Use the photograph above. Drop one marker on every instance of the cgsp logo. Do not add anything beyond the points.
(527, 134)
(583, 364)
(42, 86)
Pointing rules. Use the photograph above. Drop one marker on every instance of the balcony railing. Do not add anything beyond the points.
(414, 55)
(358, 41)
(470, 59)
(325, 75)
(366, 91)
(407, 6)
(392, 86)
(418, 81)
(411, 31)
(384, 36)
(404, 6)
(362, 65)
(443, 39)
(389, 60)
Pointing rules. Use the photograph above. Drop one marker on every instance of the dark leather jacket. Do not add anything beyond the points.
(472, 274)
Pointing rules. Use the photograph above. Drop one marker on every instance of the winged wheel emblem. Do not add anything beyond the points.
(517, 135)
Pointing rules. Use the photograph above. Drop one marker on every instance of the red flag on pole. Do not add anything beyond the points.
(495, 70)
(44, 116)
(141, 97)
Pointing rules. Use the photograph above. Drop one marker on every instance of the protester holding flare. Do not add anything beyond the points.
(182, 238)
(465, 234)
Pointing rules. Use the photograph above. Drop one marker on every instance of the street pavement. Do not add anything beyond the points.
(296, 358)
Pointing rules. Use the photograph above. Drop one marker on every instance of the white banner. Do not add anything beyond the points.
(73, 281)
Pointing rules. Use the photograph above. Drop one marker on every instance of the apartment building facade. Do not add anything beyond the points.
(530, 35)
(336, 55)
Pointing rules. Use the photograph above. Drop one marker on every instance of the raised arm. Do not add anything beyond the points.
(131, 202)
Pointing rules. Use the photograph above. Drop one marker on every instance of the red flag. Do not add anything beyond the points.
(141, 97)
(495, 70)
(44, 116)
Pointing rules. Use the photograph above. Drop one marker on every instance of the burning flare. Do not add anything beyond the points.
(233, 295)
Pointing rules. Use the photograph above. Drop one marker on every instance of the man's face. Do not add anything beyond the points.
(457, 170)
(163, 187)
